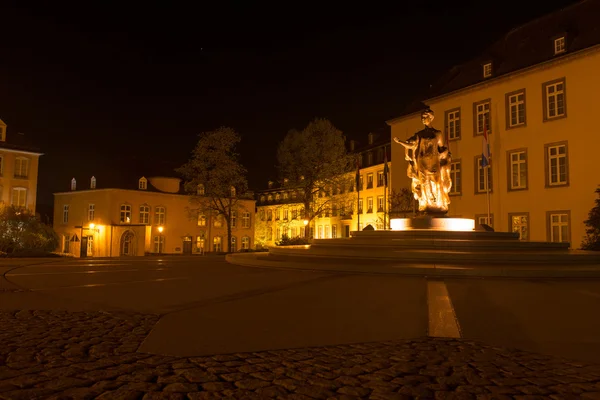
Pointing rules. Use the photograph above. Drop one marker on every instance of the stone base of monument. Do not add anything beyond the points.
(430, 240)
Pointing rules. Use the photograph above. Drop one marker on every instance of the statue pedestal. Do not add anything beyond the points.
(435, 223)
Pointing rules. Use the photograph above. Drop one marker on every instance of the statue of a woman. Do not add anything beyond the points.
(429, 166)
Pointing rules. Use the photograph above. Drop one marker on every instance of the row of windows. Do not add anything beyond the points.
(21, 167)
(367, 159)
(558, 224)
(18, 196)
(554, 107)
(218, 240)
(556, 159)
(218, 221)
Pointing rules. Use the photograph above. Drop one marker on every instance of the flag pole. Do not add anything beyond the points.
(357, 195)
(487, 189)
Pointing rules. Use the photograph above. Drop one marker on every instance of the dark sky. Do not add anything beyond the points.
(122, 91)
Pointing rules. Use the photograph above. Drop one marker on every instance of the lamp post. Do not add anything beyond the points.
(160, 239)
(306, 229)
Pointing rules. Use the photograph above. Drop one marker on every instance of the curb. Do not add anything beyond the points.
(432, 270)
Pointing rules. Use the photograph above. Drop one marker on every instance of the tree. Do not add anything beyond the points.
(214, 177)
(315, 162)
(592, 239)
(21, 231)
(401, 203)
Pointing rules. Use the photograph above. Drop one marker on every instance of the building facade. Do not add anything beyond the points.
(18, 173)
(533, 94)
(344, 209)
(155, 218)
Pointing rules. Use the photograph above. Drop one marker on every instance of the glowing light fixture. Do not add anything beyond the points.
(92, 225)
(160, 229)
(440, 224)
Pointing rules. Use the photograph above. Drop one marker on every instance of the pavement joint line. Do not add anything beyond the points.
(442, 317)
(76, 272)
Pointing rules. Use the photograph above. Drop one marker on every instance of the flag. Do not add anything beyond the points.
(485, 151)
(357, 174)
(386, 169)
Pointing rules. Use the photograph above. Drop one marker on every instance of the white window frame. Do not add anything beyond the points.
(93, 182)
(217, 244)
(245, 243)
(380, 204)
(483, 219)
(21, 195)
(159, 215)
(91, 211)
(482, 113)
(334, 231)
(21, 167)
(327, 232)
(554, 93)
(562, 220)
(519, 222)
(159, 244)
(380, 180)
(360, 208)
(369, 205)
(516, 107)
(65, 213)
(370, 180)
(145, 214)
(125, 214)
(320, 232)
(480, 181)
(453, 118)
(233, 219)
(554, 163)
(560, 45)
(143, 184)
(518, 168)
(246, 219)
(456, 177)
(73, 184)
(487, 70)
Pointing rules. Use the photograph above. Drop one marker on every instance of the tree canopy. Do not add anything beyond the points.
(214, 177)
(592, 239)
(21, 231)
(315, 160)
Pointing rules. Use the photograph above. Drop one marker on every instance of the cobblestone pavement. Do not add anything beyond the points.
(92, 355)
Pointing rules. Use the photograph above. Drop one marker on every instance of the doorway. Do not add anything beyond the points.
(187, 245)
(127, 244)
(83, 248)
(347, 231)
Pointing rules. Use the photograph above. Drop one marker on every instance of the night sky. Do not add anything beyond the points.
(121, 92)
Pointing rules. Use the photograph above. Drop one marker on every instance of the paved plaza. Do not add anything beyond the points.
(177, 328)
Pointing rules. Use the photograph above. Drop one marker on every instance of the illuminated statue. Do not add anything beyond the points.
(428, 166)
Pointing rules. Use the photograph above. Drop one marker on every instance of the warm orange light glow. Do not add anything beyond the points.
(160, 229)
(92, 226)
(442, 224)
(305, 222)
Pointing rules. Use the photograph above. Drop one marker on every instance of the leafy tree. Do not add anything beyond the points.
(214, 177)
(288, 241)
(21, 231)
(401, 202)
(592, 239)
(315, 162)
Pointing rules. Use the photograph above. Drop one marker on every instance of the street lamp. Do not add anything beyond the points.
(160, 239)
(305, 229)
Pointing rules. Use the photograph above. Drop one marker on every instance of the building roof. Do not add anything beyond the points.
(523, 47)
(19, 142)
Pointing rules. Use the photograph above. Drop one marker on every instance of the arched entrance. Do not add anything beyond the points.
(127, 244)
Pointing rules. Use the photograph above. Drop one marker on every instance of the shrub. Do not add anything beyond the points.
(592, 239)
(287, 241)
(22, 232)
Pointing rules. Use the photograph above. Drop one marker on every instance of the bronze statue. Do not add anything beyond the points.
(429, 159)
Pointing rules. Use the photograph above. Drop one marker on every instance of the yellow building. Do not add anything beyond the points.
(18, 172)
(155, 218)
(280, 213)
(535, 90)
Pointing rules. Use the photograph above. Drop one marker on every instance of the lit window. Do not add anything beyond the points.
(201, 220)
(380, 180)
(559, 45)
(520, 223)
(369, 204)
(369, 181)
(19, 197)
(233, 219)
(487, 70)
(217, 244)
(245, 243)
(380, 203)
(125, 216)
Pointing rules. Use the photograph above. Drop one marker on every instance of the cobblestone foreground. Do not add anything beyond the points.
(92, 355)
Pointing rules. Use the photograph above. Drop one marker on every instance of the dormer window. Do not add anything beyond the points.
(73, 184)
(200, 191)
(270, 197)
(487, 70)
(559, 45)
(143, 183)
(262, 199)
(285, 195)
(2, 137)
(277, 196)
(93, 182)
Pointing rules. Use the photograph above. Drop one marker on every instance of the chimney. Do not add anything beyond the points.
(73, 184)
